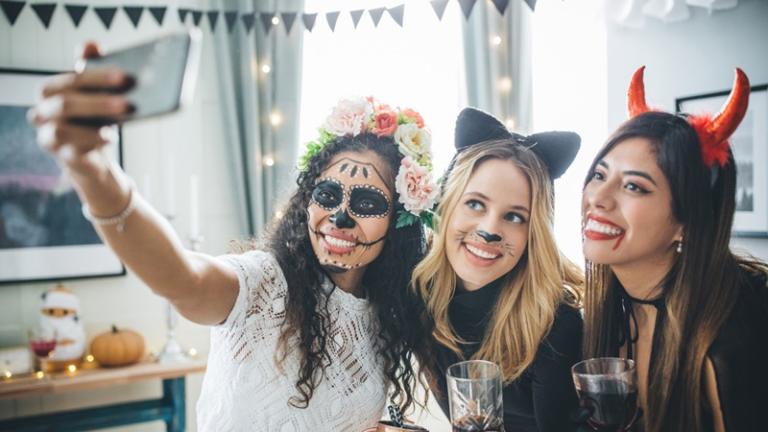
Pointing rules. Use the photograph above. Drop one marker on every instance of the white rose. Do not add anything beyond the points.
(412, 140)
(349, 117)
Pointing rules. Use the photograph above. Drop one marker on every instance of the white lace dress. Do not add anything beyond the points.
(243, 390)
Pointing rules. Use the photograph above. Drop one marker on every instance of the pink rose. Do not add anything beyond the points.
(384, 123)
(414, 184)
(415, 116)
(349, 117)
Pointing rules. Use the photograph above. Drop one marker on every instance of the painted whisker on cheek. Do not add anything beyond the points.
(509, 248)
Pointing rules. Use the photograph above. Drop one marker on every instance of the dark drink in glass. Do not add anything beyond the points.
(607, 388)
(475, 397)
(610, 411)
(478, 423)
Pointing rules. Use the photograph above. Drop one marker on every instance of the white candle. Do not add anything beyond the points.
(146, 188)
(170, 193)
(194, 216)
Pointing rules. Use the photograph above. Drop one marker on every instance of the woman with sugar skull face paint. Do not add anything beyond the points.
(495, 284)
(311, 329)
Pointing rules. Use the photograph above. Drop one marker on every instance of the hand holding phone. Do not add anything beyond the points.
(164, 70)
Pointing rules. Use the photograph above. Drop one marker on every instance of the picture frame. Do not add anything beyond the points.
(749, 144)
(43, 233)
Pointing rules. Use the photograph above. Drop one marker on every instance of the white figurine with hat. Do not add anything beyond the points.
(60, 320)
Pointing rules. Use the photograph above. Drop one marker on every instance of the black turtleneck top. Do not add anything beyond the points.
(543, 397)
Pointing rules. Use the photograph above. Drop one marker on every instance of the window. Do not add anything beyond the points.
(417, 66)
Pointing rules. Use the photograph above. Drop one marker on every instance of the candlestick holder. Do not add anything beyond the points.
(172, 351)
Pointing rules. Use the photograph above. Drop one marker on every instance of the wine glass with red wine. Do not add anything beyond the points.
(607, 388)
(474, 396)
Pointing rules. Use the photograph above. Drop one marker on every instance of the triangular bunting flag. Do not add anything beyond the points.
(248, 20)
(106, 15)
(266, 20)
(309, 20)
(501, 5)
(466, 7)
(44, 11)
(288, 18)
(213, 17)
(75, 13)
(397, 14)
(439, 7)
(158, 13)
(11, 9)
(356, 15)
(376, 15)
(197, 15)
(531, 4)
(230, 17)
(134, 14)
(183, 12)
(332, 18)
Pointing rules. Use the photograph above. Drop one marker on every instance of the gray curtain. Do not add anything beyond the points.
(498, 77)
(253, 99)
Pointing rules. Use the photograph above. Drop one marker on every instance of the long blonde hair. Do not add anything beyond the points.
(531, 292)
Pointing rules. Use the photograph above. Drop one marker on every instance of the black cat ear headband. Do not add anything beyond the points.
(557, 150)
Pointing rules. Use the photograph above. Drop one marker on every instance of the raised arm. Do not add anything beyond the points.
(200, 287)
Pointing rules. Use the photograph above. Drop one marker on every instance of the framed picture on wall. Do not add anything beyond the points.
(749, 144)
(43, 233)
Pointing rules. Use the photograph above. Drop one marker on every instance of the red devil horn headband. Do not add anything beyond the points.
(713, 131)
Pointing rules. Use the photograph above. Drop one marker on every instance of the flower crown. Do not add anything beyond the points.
(351, 117)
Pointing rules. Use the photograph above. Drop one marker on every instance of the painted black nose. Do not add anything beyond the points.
(342, 219)
(488, 236)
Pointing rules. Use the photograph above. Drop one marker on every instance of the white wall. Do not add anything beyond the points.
(193, 136)
(688, 58)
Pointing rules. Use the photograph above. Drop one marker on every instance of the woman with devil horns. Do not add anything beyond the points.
(663, 287)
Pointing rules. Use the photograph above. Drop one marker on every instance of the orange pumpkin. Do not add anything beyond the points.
(118, 347)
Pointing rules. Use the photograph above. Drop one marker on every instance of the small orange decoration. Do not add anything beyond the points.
(118, 347)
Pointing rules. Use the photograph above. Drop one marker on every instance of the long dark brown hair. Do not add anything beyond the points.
(702, 286)
(385, 280)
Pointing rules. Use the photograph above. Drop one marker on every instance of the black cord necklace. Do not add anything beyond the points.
(627, 316)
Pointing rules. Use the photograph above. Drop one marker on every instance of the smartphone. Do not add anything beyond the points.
(165, 70)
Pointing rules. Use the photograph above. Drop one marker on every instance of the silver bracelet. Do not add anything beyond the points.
(119, 219)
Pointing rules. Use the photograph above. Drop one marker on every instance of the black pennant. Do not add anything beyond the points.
(309, 20)
(332, 18)
(531, 4)
(356, 15)
(158, 13)
(439, 7)
(376, 15)
(248, 21)
(11, 9)
(197, 15)
(183, 12)
(213, 18)
(44, 12)
(106, 15)
(288, 18)
(501, 5)
(466, 7)
(397, 14)
(134, 14)
(75, 13)
(266, 20)
(230, 17)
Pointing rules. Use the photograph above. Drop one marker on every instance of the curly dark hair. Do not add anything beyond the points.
(386, 282)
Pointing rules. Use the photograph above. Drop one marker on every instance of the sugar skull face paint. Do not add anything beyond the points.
(488, 230)
(349, 212)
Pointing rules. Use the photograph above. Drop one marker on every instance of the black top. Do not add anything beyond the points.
(739, 354)
(543, 397)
